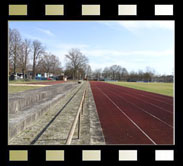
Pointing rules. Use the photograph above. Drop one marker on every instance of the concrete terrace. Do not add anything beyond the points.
(31, 111)
(26, 107)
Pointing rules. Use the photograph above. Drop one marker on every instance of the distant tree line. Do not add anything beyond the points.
(118, 73)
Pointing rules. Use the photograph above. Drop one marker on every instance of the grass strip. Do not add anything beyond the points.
(15, 89)
(160, 88)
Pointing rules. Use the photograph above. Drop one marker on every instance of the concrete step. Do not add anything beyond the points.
(30, 111)
(20, 121)
(18, 101)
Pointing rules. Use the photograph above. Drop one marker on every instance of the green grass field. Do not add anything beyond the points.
(160, 88)
(15, 89)
(26, 82)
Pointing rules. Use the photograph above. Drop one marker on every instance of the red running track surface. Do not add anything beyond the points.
(130, 116)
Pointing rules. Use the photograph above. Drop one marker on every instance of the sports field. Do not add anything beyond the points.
(155, 87)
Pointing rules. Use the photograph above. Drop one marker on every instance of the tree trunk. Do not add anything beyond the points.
(33, 71)
(34, 67)
(14, 65)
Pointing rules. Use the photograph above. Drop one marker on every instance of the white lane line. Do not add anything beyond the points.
(145, 111)
(155, 99)
(152, 104)
(150, 96)
(127, 117)
(149, 103)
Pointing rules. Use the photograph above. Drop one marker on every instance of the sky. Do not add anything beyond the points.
(134, 45)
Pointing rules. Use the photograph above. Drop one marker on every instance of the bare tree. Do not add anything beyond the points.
(88, 71)
(97, 74)
(55, 65)
(14, 48)
(116, 72)
(69, 72)
(19, 54)
(124, 74)
(106, 73)
(140, 75)
(24, 55)
(38, 50)
(50, 64)
(148, 75)
(76, 62)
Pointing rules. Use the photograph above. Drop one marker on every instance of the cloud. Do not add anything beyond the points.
(160, 60)
(135, 26)
(32, 37)
(132, 60)
(120, 53)
(46, 31)
(68, 46)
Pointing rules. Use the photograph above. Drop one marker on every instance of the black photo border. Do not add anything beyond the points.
(73, 154)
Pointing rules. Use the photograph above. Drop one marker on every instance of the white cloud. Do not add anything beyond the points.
(161, 60)
(136, 25)
(32, 37)
(119, 53)
(46, 31)
(68, 46)
(132, 60)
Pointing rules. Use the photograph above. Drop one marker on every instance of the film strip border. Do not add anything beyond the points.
(93, 10)
(119, 10)
(90, 155)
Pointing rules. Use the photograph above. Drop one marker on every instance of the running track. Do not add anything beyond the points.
(130, 116)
